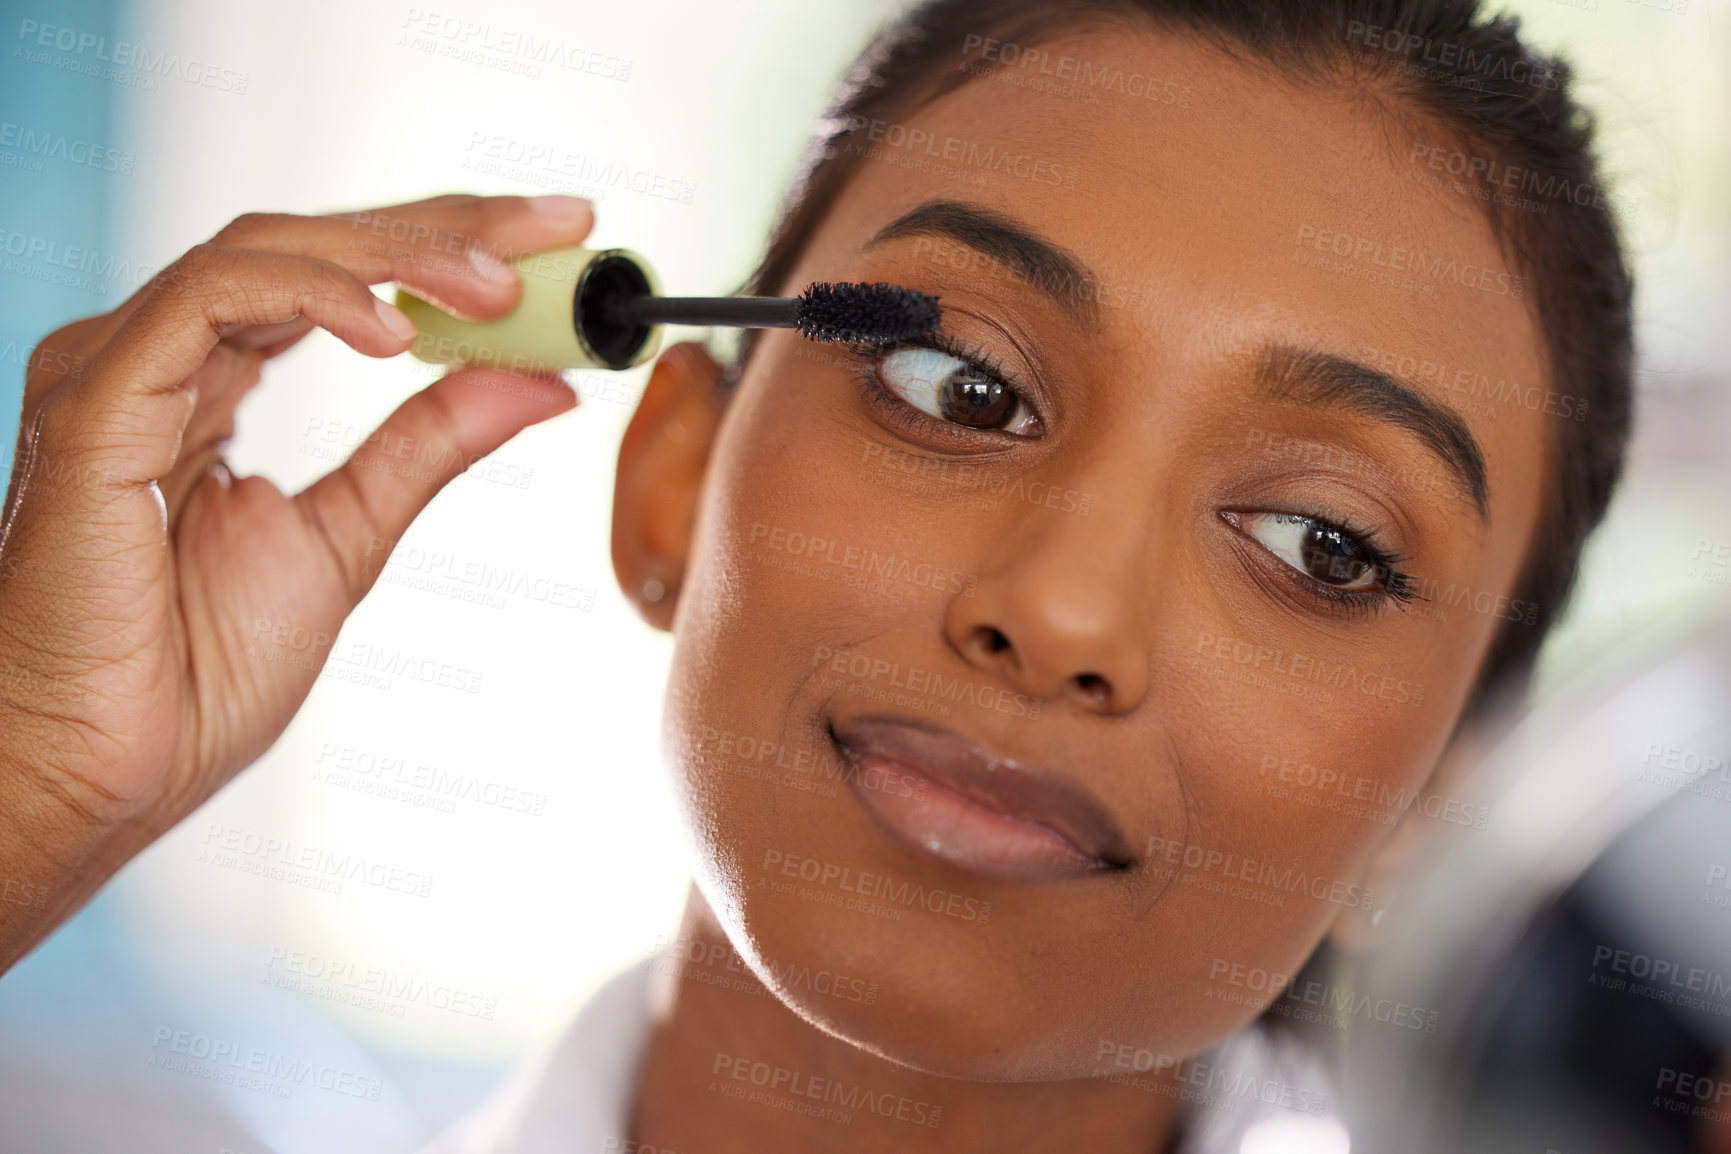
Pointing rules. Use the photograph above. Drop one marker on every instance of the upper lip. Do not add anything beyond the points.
(1044, 797)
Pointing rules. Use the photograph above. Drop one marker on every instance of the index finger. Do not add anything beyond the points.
(451, 250)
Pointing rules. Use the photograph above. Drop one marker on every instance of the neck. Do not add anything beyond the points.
(730, 1069)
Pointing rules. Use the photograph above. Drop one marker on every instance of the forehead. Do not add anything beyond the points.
(1227, 206)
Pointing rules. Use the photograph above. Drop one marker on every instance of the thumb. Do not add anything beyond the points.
(363, 508)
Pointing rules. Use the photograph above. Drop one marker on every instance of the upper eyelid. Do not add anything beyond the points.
(1401, 513)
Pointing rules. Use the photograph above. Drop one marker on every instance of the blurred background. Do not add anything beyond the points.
(529, 799)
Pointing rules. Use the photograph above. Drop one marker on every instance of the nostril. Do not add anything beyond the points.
(992, 640)
(1092, 684)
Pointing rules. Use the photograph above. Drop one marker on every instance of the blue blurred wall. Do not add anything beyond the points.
(50, 204)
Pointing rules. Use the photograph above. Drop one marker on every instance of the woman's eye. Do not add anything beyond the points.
(1319, 550)
(956, 390)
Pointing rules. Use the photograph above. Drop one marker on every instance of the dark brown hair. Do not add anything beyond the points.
(1439, 59)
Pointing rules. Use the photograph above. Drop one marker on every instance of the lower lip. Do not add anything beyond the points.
(948, 825)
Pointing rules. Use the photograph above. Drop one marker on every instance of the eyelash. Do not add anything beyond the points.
(871, 386)
(1397, 585)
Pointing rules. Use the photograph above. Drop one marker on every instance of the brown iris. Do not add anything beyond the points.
(1332, 556)
(969, 397)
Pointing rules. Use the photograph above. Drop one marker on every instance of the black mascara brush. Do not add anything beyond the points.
(851, 311)
(585, 309)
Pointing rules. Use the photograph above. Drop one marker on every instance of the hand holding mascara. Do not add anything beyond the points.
(585, 308)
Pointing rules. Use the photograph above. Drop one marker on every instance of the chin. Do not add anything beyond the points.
(960, 1002)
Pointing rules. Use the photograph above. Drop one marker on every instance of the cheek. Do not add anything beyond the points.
(1294, 772)
(1313, 758)
(776, 595)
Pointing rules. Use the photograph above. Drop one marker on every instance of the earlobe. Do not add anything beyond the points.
(660, 476)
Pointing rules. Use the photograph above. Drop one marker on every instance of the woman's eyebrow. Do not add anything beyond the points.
(1048, 266)
(1292, 374)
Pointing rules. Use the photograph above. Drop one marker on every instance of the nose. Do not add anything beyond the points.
(1061, 615)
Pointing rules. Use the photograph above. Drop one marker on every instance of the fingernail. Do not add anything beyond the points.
(392, 318)
(565, 209)
(490, 267)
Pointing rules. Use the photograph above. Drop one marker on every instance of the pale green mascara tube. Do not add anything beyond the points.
(561, 322)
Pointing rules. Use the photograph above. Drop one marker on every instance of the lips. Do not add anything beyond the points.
(980, 811)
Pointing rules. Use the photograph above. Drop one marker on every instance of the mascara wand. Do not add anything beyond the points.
(586, 309)
(850, 311)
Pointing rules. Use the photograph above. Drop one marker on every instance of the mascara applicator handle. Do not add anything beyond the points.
(734, 312)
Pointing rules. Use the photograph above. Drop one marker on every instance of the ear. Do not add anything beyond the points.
(660, 476)
(1444, 806)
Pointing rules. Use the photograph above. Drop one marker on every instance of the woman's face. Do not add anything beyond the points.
(1062, 679)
